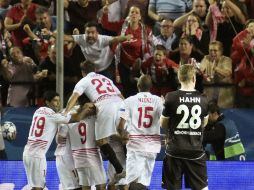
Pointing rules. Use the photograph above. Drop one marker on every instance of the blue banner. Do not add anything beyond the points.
(22, 117)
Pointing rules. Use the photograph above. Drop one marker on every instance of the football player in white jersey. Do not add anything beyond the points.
(107, 98)
(65, 164)
(87, 158)
(41, 134)
(142, 114)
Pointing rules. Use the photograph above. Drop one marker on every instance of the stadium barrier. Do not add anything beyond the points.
(22, 117)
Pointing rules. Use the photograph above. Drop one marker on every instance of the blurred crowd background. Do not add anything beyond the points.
(216, 36)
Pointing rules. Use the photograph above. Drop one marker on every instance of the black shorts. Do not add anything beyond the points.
(195, 172)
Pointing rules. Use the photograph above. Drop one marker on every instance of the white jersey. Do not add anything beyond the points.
(63, 149)
(96, 87)
(99, 52)
(82, 139)
(42, 131)
(143, 113)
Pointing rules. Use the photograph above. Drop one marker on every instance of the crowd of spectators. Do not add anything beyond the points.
(140, 36)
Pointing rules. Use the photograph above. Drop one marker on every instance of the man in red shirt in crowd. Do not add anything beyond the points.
(19, 15)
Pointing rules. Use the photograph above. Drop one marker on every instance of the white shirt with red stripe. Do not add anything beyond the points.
(96, 87)
(143, 113)
(64, 148)
(42, 131)
(82, 139)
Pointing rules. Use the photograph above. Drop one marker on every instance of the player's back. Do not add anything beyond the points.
(186, 111)
(42, 131)
(82, 139)
(96, 87)
(144, 111)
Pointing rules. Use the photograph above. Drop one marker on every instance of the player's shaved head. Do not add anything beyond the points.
(144, 83)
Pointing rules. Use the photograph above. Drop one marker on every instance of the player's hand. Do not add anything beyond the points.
(60, 139)
(124, 137)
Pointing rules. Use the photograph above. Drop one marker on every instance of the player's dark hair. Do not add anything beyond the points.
(49, 95)
(213, 107)
(83, 99)
(87, 66)
(144, 83)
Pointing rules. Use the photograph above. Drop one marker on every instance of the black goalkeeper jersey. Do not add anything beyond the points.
(186, 111)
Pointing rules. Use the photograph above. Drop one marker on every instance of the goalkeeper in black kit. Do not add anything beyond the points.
(184, 116)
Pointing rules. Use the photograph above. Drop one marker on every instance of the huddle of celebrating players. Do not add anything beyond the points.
(125, 131)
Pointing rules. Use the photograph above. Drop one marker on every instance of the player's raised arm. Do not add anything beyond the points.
(71, 102)
(86, 110)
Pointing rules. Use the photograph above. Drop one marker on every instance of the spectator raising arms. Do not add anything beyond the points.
(20, 69)
(96, 47)
(194, 29)
(19, 15)
(199, 8)
(234, 19)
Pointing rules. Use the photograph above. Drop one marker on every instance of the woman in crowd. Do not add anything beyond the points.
(218, 71)
(127, 52)
(186, 53)
(199, 36)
